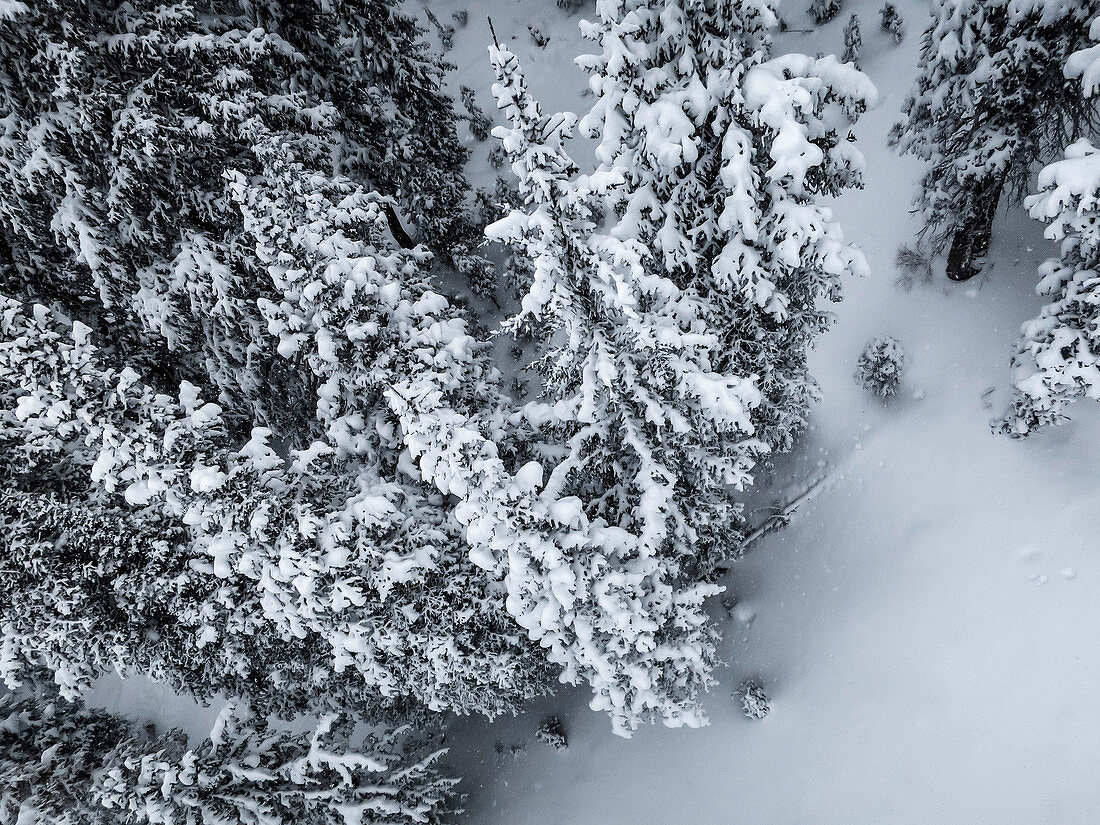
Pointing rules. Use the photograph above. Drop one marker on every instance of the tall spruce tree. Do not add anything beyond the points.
(649, 332)
(989, 101)
(589, 581)
(1057, 359)
(721, 161)
(853, 41)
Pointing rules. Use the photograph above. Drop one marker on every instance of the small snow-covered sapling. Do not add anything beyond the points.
(552, 732)
(538, 35)
(892, 23)
(822, 11)
(754, 702)
(497, 156)
(914, 265)
(488, 208)
(571, 6)
(853, 41)
(879, 367)
(461, 17)
(480, 275)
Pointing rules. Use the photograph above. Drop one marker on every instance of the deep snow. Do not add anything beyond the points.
(926, 627)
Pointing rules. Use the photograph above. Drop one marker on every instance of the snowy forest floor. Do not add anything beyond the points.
(926, 628)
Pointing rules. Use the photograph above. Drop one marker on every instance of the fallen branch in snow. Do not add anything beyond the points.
(779, 517)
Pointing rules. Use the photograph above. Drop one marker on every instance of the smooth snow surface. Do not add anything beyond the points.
(928, 627)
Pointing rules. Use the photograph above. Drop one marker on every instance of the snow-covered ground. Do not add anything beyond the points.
(927, 626)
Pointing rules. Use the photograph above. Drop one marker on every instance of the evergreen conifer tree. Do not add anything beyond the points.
(822, 11)
(853, 41)
(989, 101)
(643, 328)
(687, 125)
(892, 22)
(1057, 358)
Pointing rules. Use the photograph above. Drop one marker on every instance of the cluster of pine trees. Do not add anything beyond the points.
(63, 762)
(251, 448)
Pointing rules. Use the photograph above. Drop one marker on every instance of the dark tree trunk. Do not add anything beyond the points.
(398, 231)
(970, 243)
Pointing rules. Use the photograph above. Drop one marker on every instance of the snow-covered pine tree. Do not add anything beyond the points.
(689, 112)
(552, 732)
(754, 701)
(479, 124)
(822, 11)
(879, 367)
(63, 763)
(892, 22)
(989, 101)
(853, 41)
(1057, 359)
(334, 548)
(635, 353)
(625, 371)
(601, 600)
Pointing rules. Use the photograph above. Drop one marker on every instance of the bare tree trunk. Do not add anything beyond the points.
(396, 229)
(971, 240)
